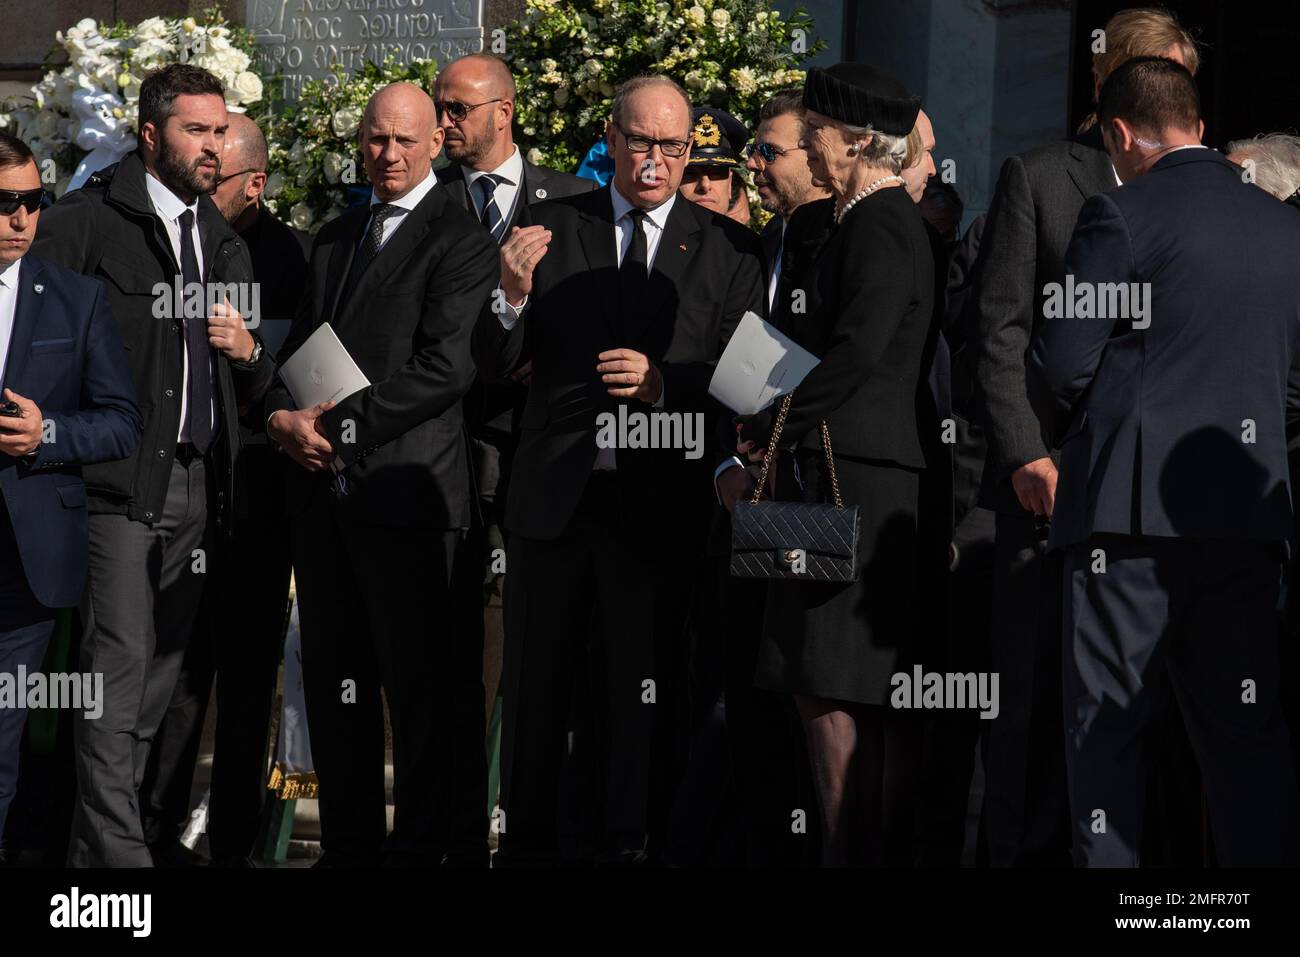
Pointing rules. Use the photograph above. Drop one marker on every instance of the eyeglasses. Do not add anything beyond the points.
(644, 144)
(222, 179)
(767, 151)
(28, 199)
(458, 111)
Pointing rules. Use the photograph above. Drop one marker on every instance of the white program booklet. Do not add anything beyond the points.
(759, 364)
(321, 371)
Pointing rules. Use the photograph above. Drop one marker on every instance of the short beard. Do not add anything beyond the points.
(182, 179)
(472, 150)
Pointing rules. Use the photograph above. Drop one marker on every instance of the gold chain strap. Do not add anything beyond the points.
(771, 451)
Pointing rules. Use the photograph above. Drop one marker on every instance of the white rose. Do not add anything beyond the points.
(188, 25)
(720, 18)
(248, 86)
(561, 96)
(695, 16)
(155, 28)
(332, 167)
(274, 183)
(300, 216)
(346, 121)
(535, 156)
(593, 66)
(743, 81)
(297, 152)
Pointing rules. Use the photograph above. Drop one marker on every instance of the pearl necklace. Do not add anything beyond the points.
(870, 188)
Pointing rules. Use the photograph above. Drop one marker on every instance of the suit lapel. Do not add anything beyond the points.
(597, 238)
(1091, 171)
(410, 234)
(27, 312)
(340, 262)
(676, 246)
(454, 180)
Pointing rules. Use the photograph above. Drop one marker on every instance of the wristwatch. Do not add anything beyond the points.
(257, 351)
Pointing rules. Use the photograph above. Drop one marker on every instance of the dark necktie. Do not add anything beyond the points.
(369, 248)
(199, 397)
(632, 278)
(488, 211)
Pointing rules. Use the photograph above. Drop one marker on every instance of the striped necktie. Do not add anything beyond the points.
(488, 211)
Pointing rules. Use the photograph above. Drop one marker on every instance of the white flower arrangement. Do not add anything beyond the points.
(91, 102)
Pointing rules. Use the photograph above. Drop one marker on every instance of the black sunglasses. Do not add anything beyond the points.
(767, 151)
(222, 179)
(29, 199)
(457, 110)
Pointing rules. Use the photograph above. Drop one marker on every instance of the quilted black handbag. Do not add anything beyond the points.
(804, 541)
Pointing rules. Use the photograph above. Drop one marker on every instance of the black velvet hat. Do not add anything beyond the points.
(861, 95)
(719, 138)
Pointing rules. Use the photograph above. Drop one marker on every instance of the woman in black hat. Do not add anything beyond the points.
(869, 305)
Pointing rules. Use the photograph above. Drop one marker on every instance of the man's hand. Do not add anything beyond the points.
(520, 254)
(226, 332)
(630, 375)
(735, 484)
(19, 437)
(1035, 485)
(301, 436)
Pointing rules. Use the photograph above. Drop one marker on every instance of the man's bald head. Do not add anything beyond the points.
(245, 145)
(243, 171)
(476, 106)
(399, 138)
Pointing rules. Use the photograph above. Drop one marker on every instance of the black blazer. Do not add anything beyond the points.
(707, 272)
(492, 408)
(108, 229)
(869, 317)
(65, 354)
(1179, 429)
(1038, 198)
(407, 324)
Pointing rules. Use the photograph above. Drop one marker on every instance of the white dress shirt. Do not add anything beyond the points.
(167, 206)
(8, 307)
(510, 177)
(404, 206)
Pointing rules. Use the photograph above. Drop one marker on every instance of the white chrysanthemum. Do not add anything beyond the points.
(743, 81)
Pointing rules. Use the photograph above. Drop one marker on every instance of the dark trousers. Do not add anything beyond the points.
(138, 610)
(1199, 617)
(238, 640)
(1026, 817)
(639, 599)
(381, 607)
(25, 629)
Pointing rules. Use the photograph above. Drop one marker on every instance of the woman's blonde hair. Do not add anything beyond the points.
(915, 147)
(1141, 31)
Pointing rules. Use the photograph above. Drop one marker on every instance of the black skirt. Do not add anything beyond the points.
(846, 641)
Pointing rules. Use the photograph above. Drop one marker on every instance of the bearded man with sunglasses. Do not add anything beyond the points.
(622, 299)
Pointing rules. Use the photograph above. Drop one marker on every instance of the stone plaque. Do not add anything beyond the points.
(303, 39)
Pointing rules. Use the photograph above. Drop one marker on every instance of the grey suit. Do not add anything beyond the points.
(1029, 224)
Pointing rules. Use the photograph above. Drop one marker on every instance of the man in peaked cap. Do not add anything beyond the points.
(712, 177)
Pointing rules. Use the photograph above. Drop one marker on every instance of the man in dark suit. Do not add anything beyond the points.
(239, 633)
(147, 226)
(379, 549)
(63, 367)
(1171, 383)
(1038, 197)
(624, 315)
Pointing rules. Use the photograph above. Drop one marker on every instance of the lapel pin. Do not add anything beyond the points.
(682, 247)
(540, 193)
(37, 288)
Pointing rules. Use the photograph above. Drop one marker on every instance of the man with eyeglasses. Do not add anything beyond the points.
(67, 401)
(622, 299)
(239, 633)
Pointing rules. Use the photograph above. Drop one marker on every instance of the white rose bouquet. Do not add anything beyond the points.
(82, 115)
